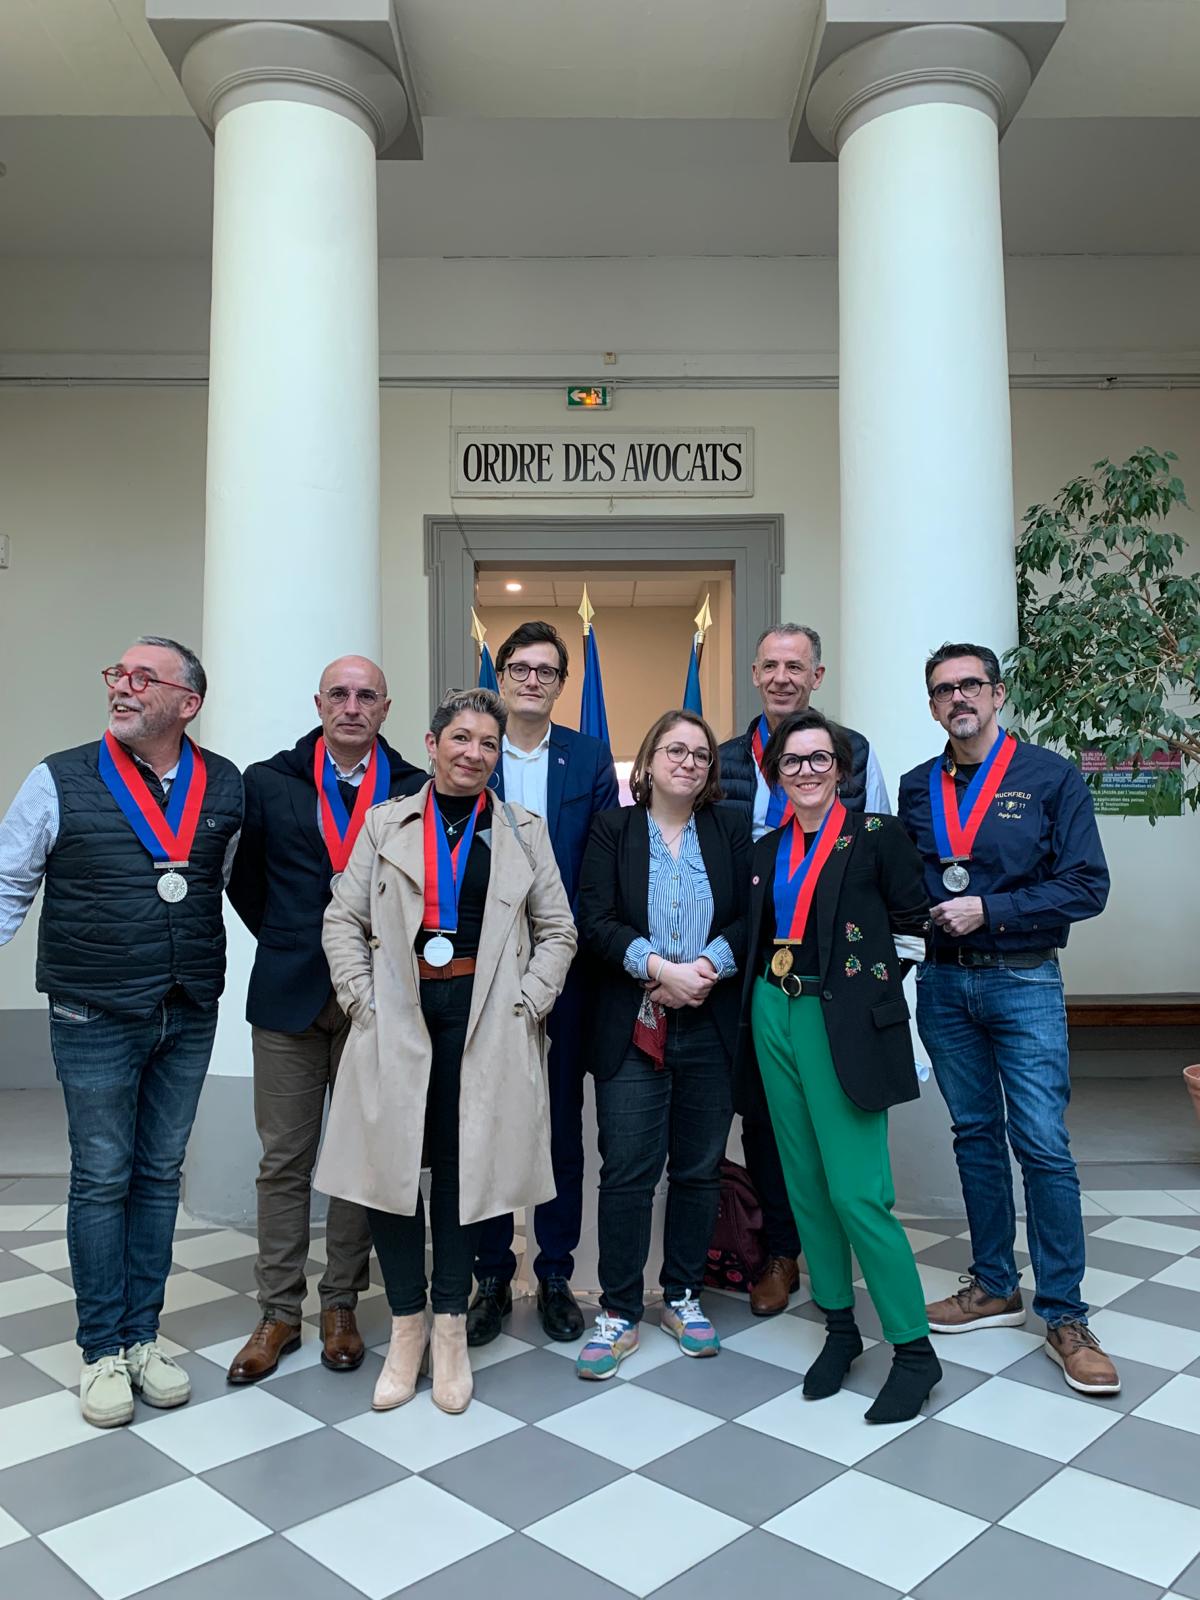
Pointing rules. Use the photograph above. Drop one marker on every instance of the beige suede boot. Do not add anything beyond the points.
(453, 1383)
(406, 1357)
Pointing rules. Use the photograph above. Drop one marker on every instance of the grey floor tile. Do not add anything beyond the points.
(1112, 1256)
(1188, 1582)
(953, 1254)
(30, 1330)
(332, 1396)
(7, 1183)
(727, 1385)
(1149, 1455)
(211, 1323)
(1162, 1303)
(28, 1568)
(20, 1380)
(524, 1476)
(36, 1192)
(747, 1475)
(208, 1383)
(869, 1324)
(1138, 1381)
(271, 1569)
(1139, 1175)
(534, 1385)
(73, 1483)
(760, 1564)
(18, 1241)
(1001, 1564)
(947, 1225)
(236, 1274)
(374, 1318)
(13, 1267)
(973, 1474)
(303, 1478)
(728, 1313)
(513, 1567)
(523, 1321)
(869, 1374)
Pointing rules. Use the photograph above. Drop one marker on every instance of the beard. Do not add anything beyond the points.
(145, 724)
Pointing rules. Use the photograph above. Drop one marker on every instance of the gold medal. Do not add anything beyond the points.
(782, 962)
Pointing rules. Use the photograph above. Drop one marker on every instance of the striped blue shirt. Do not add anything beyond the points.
(680, 909)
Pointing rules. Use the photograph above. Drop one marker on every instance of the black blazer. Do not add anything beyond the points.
(613, 910)
(280, 884)
(871, 888)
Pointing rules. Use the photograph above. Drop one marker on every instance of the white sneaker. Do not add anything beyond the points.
(159, 1380)
(105, 1393)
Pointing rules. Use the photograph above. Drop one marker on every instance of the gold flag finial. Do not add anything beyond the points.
(703, 619)
(586, 612)
(478, 631)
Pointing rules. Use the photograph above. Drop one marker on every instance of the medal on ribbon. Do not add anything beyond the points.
(167, 835)
(777, 805)
(797, 872)
(339, 827)
(955, 838)
(445, 869)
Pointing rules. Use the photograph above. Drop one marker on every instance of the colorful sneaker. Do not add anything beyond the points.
(684, 1320)
(613, 1340)
(158, 1379)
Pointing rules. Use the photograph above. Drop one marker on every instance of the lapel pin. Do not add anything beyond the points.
(562, 761)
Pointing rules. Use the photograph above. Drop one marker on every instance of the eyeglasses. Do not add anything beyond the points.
(969, 688)
(341, 696)
(677, 754)
(139, 680)
(818, 761)
(518, 671)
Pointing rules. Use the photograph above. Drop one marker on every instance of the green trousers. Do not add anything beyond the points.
(836, 1165)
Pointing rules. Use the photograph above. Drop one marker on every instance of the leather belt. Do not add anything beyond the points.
(792, 985)
(459, 967)
(945, 956)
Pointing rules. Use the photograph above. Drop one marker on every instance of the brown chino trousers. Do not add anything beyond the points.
(294, 1073)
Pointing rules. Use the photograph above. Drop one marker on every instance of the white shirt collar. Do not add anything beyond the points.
(511, 749)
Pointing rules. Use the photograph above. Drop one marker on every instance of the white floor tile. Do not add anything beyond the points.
(52, 1221)
(789, 1342)
(201, 1437)
(37, 1427)
(986, 1349)
(1099, 1287)
(937, 1282)
(311, 1304)
(1142, 1203)
(1181, 1274)
(835, 1428)
(11, 1531)
(1135, 1532)
(1177, 1404)
(1020, 1238)
(418, 1435)
(62, 1362)
(15, 1219)
(630, 1426)
(502, 1348)
(1149, 1235)
(193, 1524)
(31, 1294)
(186, 1223)
(393, 1538)
(636, 1533)
(4, 1351)
(1139, 1339)
(207, 1249)
(317, 1249)
(875, 1528)
(1031, 1419)
(187, 1289)
(1090, 1207)
(1190, 1197)
(308, 1355)
(921, 1238)
(655, 1349)
(52, 1256)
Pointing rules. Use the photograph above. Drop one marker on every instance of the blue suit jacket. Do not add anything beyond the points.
(581, 781)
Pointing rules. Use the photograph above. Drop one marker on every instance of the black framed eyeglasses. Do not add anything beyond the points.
(678, 753)
(818, 761)
(139, 679)
(969, 688)
(519, 671)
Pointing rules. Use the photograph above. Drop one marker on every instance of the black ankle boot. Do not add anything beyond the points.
(843, 1345)
(915, 1370)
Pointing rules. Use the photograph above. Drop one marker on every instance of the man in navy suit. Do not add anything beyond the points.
(565, 777)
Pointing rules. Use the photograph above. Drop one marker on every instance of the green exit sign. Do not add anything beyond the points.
(594, 397)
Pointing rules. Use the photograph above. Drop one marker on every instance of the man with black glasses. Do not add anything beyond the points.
(130, 836)
(565, 777)
(1012, 858)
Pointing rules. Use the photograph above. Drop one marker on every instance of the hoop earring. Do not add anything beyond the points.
(493, 782)
(429, 766)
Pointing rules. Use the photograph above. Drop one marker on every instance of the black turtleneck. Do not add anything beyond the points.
(454, 809)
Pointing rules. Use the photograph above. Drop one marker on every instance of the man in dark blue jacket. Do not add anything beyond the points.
(304, 808)
(1012, 858)
(565, 777)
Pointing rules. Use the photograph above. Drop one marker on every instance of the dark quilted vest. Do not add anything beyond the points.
(105, 935)
(738, 779)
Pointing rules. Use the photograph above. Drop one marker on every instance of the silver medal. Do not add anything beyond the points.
(439, 952)
(172, 887)
(956, 877)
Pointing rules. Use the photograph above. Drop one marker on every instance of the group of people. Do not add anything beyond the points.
(442, 957)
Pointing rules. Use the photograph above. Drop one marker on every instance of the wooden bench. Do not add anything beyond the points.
(1133, 1011)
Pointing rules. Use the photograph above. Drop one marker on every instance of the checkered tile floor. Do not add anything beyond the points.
(680, 1478)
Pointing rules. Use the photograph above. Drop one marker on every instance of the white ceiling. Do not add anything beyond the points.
(554, 590)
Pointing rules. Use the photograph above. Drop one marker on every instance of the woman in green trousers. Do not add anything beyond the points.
(830, 1028)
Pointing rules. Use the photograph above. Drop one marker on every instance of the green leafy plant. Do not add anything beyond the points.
(1109, 625)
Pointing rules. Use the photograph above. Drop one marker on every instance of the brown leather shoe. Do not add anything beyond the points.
(342, 1348)
(1077, 1351)
(781, 1278)
(973, 1307)
(260, 1354)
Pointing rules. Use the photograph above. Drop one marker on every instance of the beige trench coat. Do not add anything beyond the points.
(372, 1151)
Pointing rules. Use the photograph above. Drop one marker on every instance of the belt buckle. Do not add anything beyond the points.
(791, 978)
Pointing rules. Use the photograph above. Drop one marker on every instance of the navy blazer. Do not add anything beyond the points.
(581, 781)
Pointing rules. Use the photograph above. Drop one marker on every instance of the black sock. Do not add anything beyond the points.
(915, 1370)
(843, 1345)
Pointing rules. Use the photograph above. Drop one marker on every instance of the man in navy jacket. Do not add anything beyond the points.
(565, 777)
(1012, 858)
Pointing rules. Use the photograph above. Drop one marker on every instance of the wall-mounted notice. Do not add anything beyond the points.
(697, 463)
(1123, 791)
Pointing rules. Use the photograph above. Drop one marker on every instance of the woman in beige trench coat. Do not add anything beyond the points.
(447, 977)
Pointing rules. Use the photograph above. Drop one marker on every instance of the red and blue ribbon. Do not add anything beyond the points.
(797, 872)
(339, 827)
(167, 835)
(445, 868)
(777, 805)
(955, 837)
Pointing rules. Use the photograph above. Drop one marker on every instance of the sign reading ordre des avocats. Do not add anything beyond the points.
(601, 461)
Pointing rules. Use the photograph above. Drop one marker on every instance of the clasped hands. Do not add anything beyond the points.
(676, 984)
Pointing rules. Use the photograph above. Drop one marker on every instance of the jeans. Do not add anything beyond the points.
(679, 1116)
(131, 1086)
(399, 1240)
(997, 1037)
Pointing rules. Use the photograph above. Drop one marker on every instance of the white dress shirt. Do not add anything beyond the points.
(526, 773)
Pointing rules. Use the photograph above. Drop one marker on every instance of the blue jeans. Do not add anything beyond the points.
(997, 1037)
(131, 1086)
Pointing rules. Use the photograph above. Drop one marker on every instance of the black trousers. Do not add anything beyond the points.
(766, 1174)
(400, 1241)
